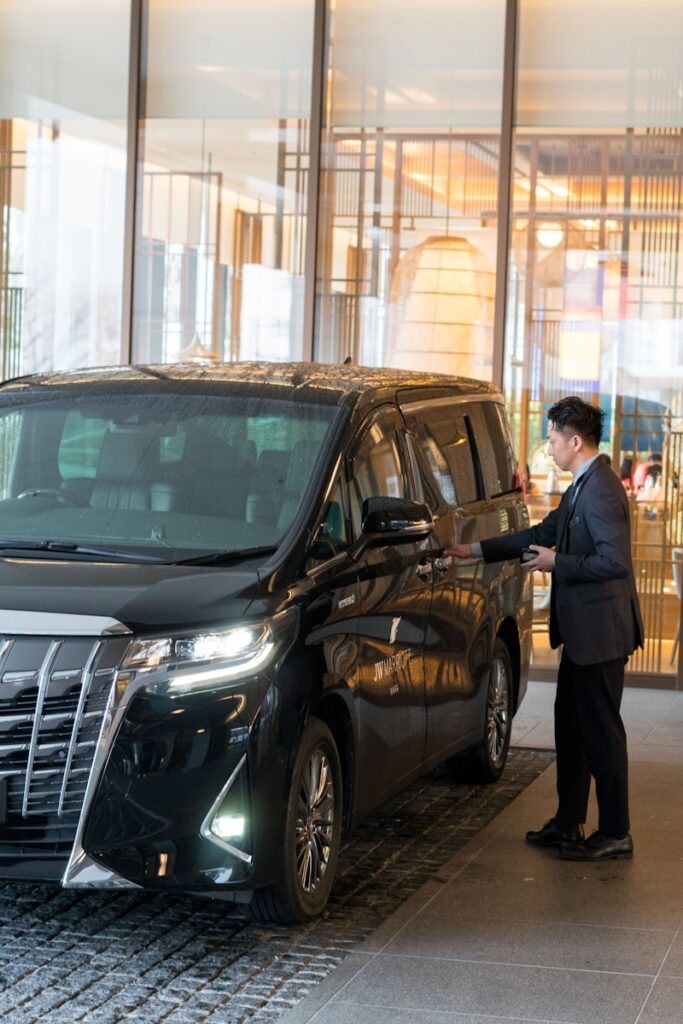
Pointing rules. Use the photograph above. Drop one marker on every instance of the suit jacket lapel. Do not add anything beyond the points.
(566, 508)
(562, 522)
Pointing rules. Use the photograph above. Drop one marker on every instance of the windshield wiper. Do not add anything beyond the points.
(226, 557)
(68, 548)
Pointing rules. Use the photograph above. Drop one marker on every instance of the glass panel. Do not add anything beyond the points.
(79, 449)
(9, 439)
(333, 535)
(410, 178)
(169, 474)
(596, 276)
(495, 448)
(446, 448)
(63, 101)
(222, 223)
(599, 64)
(377, 470)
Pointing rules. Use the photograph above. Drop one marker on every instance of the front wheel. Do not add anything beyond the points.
(485, 762)
(312, 833)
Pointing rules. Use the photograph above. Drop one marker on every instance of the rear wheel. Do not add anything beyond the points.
(486, 761)
(312, 833)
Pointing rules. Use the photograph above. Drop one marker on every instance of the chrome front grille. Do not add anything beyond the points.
(53, 695)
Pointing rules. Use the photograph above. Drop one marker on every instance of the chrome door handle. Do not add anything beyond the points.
(423, 570)
(441, 564)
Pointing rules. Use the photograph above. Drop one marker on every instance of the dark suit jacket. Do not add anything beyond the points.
(594, 608)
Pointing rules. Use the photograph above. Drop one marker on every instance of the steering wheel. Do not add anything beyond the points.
(51, 492)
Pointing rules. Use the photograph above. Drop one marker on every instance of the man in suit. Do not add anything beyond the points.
(594, 613)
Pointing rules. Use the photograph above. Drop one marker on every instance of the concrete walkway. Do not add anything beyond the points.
(507, 932)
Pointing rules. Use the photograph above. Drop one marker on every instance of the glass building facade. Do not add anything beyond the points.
(490, 189)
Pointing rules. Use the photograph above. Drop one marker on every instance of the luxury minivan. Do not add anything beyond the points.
(228, 630)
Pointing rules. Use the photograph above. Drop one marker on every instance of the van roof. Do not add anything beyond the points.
(337, 381)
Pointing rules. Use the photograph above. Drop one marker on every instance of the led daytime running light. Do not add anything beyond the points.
(187, 680)
(241, 646)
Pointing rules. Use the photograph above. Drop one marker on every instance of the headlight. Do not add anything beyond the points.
(207, 660)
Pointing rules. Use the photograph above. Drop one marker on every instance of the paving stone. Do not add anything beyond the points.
(124, 958)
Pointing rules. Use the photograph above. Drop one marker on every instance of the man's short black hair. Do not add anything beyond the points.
(573, 415)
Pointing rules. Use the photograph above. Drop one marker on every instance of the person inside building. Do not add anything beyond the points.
(625, 473)
(585, 544)
(648, 474)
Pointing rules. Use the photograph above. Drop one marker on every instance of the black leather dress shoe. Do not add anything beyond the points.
(555, 834)
(598, 847)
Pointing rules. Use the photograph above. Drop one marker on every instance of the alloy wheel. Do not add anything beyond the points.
(498, 712)
(314, 821)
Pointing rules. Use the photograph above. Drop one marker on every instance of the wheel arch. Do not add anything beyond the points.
(332, 710)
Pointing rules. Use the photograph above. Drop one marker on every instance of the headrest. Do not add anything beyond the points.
(122, 454)
(272, 464)
(205, 447)
(303, 457)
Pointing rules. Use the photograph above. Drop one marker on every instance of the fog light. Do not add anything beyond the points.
(228, 826)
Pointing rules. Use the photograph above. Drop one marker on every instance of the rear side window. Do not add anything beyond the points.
(494, 446)
(443, 438)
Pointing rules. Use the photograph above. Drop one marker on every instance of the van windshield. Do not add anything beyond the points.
(169, 475)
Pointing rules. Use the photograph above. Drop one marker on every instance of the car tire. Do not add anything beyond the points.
(312, 833)
(485, 762)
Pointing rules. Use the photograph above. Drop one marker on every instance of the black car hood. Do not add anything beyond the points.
(147, 598)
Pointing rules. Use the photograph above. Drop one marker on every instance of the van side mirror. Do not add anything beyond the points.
(395, 520)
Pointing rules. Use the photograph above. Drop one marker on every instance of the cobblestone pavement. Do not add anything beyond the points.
(104, 958)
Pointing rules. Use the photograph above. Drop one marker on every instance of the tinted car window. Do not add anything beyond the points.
(9, 437)
(333, 534)
(173, 471)
(80, 445)
(376, 467)
(494, 445)
(443, 438)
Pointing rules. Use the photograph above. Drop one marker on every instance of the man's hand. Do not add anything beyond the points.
(544, 561)
(458, 551)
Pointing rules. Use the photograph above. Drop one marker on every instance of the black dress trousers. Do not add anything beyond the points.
(590, 740)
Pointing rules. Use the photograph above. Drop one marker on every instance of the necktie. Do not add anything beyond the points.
(573, 490)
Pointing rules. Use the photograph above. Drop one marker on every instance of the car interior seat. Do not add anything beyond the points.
(215, 476)
(268, 486)
(128, 475)
(301, 463)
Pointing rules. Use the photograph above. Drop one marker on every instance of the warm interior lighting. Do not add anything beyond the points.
(580, 350)
(196, 352)
(350, 145)
(442, 300)
(549, 234)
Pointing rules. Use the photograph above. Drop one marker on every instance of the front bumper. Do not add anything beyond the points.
(139, 811)
(174, 764)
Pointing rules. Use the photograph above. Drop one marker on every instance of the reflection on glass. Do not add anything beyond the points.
(63, 95)
(596, 274)
(221, 232)
(167, 474)
(406, 263)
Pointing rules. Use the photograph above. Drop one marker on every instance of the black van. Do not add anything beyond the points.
(227, 629)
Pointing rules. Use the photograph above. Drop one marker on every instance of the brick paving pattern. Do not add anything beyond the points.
(105, 958)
